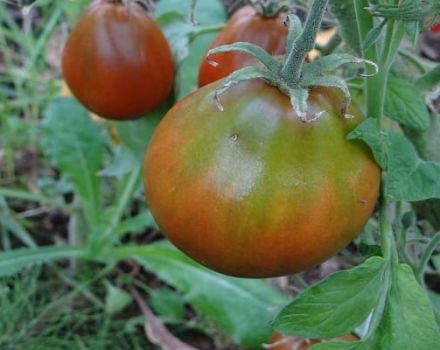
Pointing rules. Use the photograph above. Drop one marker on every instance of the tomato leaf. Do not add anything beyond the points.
(206, 13)
(374, 34)
(241, 306)
(177, 29)
(345, 13)
(336, 305)
(405, 104)
(408, 321)
(368, 131)
(409, 177)
(75, 145)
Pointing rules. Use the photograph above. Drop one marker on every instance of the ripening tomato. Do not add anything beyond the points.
(435, 28)
(253, 191)
(117, 61)
(249, 26)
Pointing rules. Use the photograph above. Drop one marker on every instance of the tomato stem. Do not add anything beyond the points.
(292, 67)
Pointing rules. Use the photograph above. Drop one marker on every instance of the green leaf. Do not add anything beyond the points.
(136, 135)
(178, 30)
(168, 305)
(17, 229)
(368, 131)
(136, 224)
(412, 30)
(408, 321)
(409, 178)
(75, 145)
(341, 346)
(123, 162)
(116, 299)
(335, 306)
(241, 306)
(206, 13)
(374, 34)
(345, 13)
(405, 104)
(13, 261)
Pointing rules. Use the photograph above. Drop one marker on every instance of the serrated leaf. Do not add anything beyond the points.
(408, 321)
(409, 178)
(405, 104)
(75, 145)
(14, 261)
(336, 305)
(243, 307)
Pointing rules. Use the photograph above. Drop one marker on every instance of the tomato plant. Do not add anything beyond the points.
(117, 62)
(267, 171)
(270, 195)
(247, 25)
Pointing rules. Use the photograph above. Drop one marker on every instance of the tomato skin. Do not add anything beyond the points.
(253, 191)
(117, 62)
(245, 25)
(435, 28)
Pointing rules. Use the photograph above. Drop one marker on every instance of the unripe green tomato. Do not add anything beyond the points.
(254, 192)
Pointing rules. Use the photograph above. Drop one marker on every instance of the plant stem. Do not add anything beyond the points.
(206, 30)
(426, 256)
(291, 70)
(430, 79)
(125, 198)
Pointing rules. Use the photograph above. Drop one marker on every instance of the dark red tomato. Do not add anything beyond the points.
(253, 191)
(245, 25)
(436, 28)
(117, 62)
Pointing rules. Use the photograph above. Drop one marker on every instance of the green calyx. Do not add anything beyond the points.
(269, 8)
(407, 11)
(291, 75)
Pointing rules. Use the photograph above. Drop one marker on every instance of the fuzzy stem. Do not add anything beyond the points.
(426, 256)
(292, 67)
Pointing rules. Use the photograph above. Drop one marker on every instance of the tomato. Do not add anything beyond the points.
(253, 191)
(280, 342)
(435, 28)
(117, 62)
(245, 25)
